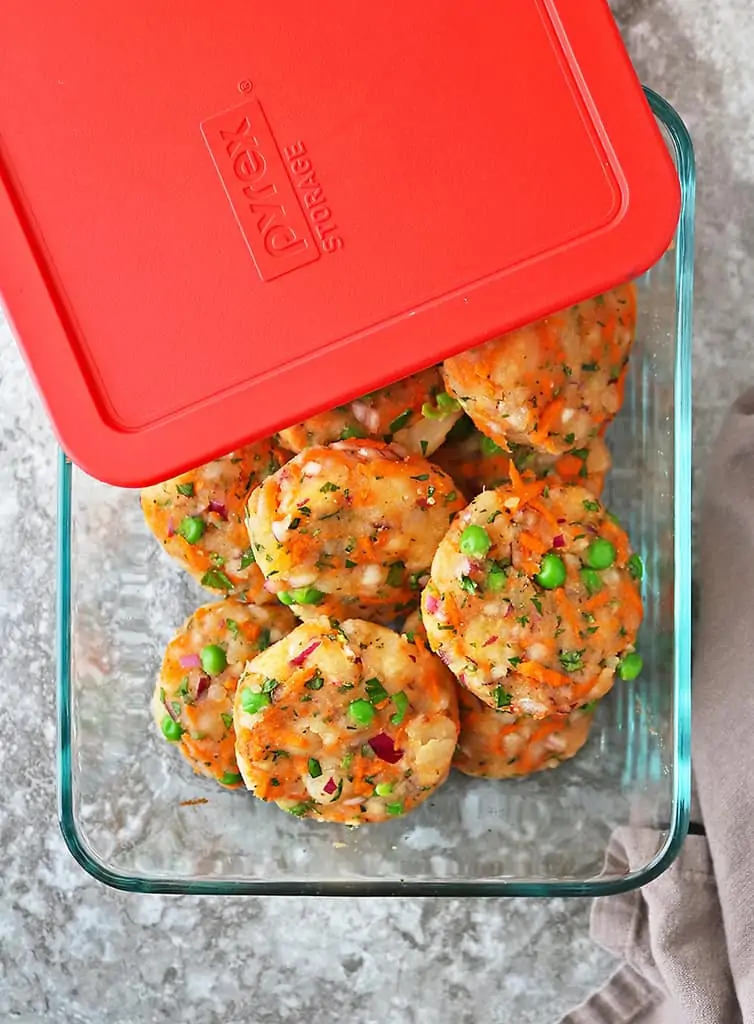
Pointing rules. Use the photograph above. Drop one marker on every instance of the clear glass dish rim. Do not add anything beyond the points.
(678, 826)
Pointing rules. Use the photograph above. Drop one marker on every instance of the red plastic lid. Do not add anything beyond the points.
(217, 219)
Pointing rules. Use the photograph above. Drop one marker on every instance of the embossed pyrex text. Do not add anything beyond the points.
(259, 190)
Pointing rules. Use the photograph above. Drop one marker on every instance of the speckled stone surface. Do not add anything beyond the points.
(72, 952)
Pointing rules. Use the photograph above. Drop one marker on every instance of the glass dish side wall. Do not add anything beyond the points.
(138, 819)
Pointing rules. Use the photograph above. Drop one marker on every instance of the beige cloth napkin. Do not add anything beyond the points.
(687, 939)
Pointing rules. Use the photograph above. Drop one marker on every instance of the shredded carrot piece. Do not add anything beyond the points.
(598, 601)
(546, 420)
(568, 467)
(542, 674)
(524, 491)
(506, 730)
(583, 688)
(618, 536)
(532, 543)
(544, 511)
(631, 598)
(548, 726)
(567, 611)
(620, 386)
(528, 760)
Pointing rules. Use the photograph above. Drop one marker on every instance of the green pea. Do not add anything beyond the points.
(252, 702)
(496, 578)
(394, 808)
(552, 572)
(191, 528)
(600, 554)
(636, 567)
(230, 779)
(630, 666)
(171, 730)
(214, 660)
(383, 788)
(361, 712)
(475, 542)
(591, 581)
(301, 595)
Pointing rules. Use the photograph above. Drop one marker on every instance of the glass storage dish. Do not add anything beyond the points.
(136, 817)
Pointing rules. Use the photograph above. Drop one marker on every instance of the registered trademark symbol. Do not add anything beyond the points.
(245, 85)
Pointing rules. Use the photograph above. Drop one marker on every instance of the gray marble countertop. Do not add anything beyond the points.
(75, 953)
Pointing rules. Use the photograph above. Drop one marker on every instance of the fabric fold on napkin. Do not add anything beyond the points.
(686, 940)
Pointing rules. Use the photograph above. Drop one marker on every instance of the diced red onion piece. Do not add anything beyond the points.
(508, 611)
(462, 679)
(433, 605)
(384, 748)
(219, 508)
(189, 661)
(301, 658)
(491, 640)
(202, 686)
(558, 541)
(330, 786)
(561, 521)
(171, 527)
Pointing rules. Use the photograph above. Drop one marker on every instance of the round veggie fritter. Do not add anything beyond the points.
(198, 518)
(193, 697)
(415, 412)
(349, 723)
(350, 530)
(533, 599)
(554, 384)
